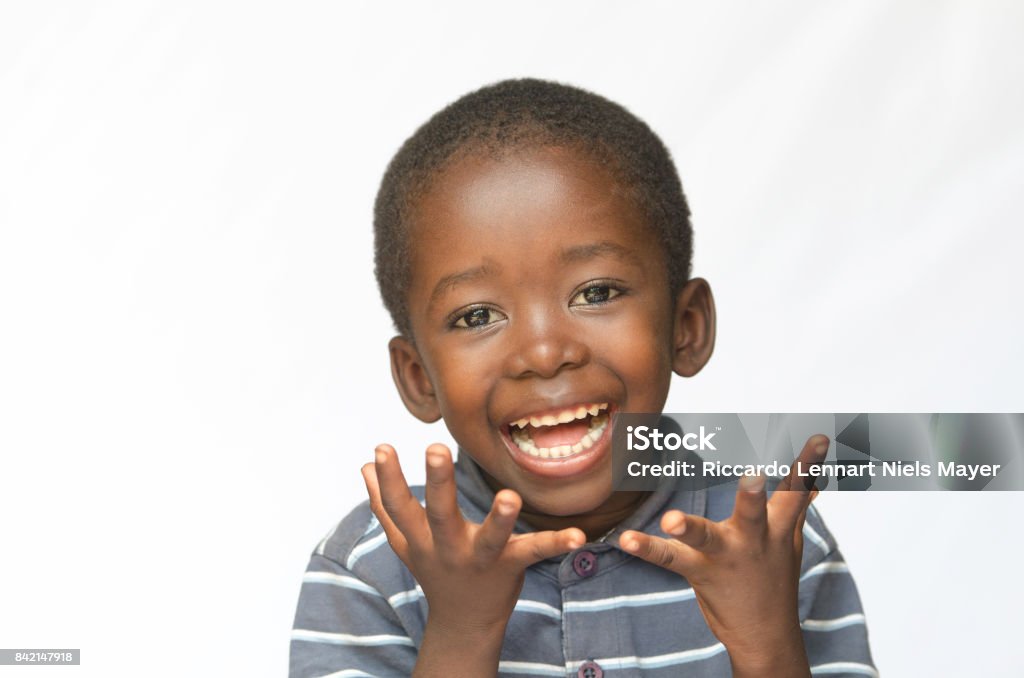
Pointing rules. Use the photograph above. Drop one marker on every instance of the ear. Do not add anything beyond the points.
(414, 386)
(694, 328)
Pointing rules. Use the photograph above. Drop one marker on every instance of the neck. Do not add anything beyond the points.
(595, 524)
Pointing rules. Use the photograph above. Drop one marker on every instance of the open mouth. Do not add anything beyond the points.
(560, 434)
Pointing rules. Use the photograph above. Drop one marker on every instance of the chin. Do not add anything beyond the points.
(566, 506)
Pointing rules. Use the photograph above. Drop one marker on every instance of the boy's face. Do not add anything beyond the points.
(537, 290)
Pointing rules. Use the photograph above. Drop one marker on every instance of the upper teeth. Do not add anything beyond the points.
(598, 423)
(563, 417)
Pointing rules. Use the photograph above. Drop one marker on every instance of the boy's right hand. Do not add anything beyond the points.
(470, 574)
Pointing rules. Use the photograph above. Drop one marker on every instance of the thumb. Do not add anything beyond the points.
(527, 549)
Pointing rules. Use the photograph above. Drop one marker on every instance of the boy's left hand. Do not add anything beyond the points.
(745, 570)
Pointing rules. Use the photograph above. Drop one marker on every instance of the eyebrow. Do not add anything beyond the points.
(570, 255)
(600, 249)
(451, 280)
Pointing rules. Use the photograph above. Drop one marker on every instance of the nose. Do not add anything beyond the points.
(543, 346)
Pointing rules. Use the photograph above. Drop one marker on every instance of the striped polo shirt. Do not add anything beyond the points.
(596, 611)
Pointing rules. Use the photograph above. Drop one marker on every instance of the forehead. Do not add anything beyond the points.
(524, 204)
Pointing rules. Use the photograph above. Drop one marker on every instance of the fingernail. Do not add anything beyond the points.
(575, 542)
(630, 544)
(821, 449)
(505, 508)
(435, 460)
(381, 457)
(752, 483)
(676, 525)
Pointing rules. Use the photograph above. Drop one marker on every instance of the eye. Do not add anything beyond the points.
(477, 317)
(595, 294)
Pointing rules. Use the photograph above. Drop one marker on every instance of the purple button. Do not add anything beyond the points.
(585, 565)
(590, 669)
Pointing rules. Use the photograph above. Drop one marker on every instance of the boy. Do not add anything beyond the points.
(533, 247)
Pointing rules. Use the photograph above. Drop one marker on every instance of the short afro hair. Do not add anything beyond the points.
(514, 115)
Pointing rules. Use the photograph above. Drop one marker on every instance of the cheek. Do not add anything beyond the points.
(463, 391)
(640, 350)
(645, 363)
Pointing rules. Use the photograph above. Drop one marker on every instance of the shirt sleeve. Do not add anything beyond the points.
(345, 628)
(831, 616)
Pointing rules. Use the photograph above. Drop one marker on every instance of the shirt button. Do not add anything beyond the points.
(585, 565)
(589, 669)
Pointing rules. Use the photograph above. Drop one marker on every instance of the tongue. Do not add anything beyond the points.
(562, 434)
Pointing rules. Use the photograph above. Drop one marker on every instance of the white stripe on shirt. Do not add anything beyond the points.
(844, 667)
(339, 580)
(537, 608)
(816, 538)
(659, 661)
(364, 548)
(825, 568)
(531, 668)
(370, 544)
(527, 606)
(403, 597)
(832, 624)
(349, 639)
(323, 543)
(638, 600)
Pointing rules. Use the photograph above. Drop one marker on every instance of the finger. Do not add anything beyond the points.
(793, 497)
(527, 549)
(395, 537)
(813, 453)
(798, 530)
(807, 456)
(498, 525)
(443, 515)
(750, 512)
(802, 518)
(670, 554)
(397, 500)
(696, 532)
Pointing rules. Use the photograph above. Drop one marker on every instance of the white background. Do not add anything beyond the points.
(192, 351)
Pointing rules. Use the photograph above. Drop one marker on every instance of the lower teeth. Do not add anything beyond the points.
(524, 443)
